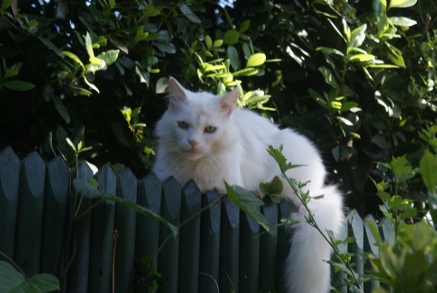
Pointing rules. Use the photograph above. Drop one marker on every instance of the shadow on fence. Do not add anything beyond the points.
(218, 250)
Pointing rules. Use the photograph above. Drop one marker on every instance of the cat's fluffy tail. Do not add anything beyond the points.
(306, 269)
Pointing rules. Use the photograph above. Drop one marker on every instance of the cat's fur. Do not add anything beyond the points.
(207, 138)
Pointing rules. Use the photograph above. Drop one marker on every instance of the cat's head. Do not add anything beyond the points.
(196, 125)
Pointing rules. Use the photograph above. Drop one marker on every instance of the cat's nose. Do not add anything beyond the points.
(193, 143)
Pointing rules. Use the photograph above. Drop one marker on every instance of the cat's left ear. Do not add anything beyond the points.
(229, 101)
(177, 94)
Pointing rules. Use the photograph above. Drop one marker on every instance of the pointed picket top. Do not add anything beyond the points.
(33, 170)
(214, 212)
(107, 179)
(9, 173)
(127, 185)
(9, 187)
(193, 196)
(58, 176)
(270, 211)
(357, 228)
(387, 231)
(172, 190)
(371, 240)
(150, 192)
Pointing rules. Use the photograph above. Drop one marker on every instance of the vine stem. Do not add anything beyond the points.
(14, 264)
(217, 201)
(312, 222)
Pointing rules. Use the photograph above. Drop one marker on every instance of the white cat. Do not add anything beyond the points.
(207, 138)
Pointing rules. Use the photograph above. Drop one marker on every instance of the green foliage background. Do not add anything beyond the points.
(357, 78)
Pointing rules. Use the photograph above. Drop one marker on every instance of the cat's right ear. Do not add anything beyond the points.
(176, 94)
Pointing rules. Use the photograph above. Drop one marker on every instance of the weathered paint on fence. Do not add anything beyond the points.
(215, 251)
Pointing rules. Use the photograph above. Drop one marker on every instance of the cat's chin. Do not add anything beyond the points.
(194, 155)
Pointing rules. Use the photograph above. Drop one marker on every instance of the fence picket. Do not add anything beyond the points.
(168, 258)
(210, 243)
(9, 185)
(356, 230)
(55, 209)
(268, 253)
(78, 272)
(102, 230)
(125, 223)
(29, 216)
(370, 246)
(249, 254)
(229, 247)
(189, 239)
(339, 277)
(286, 208)
(387, 231)
(149, 196)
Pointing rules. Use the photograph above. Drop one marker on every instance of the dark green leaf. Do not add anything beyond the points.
(231, 37)
(18, 85)
(248, 203)
(49, 44)
(151, 11)
(189, 14)
(44, 282)
(9, 277)
(273, 187)
(6, 4)
(60, 107)
(233, 57)
(244, 26)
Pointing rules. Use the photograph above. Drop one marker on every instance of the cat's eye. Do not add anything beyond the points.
(210, 129)
(183, 124)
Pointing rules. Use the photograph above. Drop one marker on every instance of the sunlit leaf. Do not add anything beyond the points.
(401, 3)
(256, 60)
(345, 121)
(358, 36)
(395, 55)
(109, 56)
(362, 58)
(428, 170)
(73, 57)
(89, 45)
(402, 21)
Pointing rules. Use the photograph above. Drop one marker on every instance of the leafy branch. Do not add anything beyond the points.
(304, 198)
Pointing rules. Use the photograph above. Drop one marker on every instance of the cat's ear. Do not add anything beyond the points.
(176, 94)
(228, 102)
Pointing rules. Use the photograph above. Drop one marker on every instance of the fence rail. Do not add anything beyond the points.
(218, 250)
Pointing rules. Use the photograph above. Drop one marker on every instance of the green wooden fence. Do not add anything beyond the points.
(217, 250)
